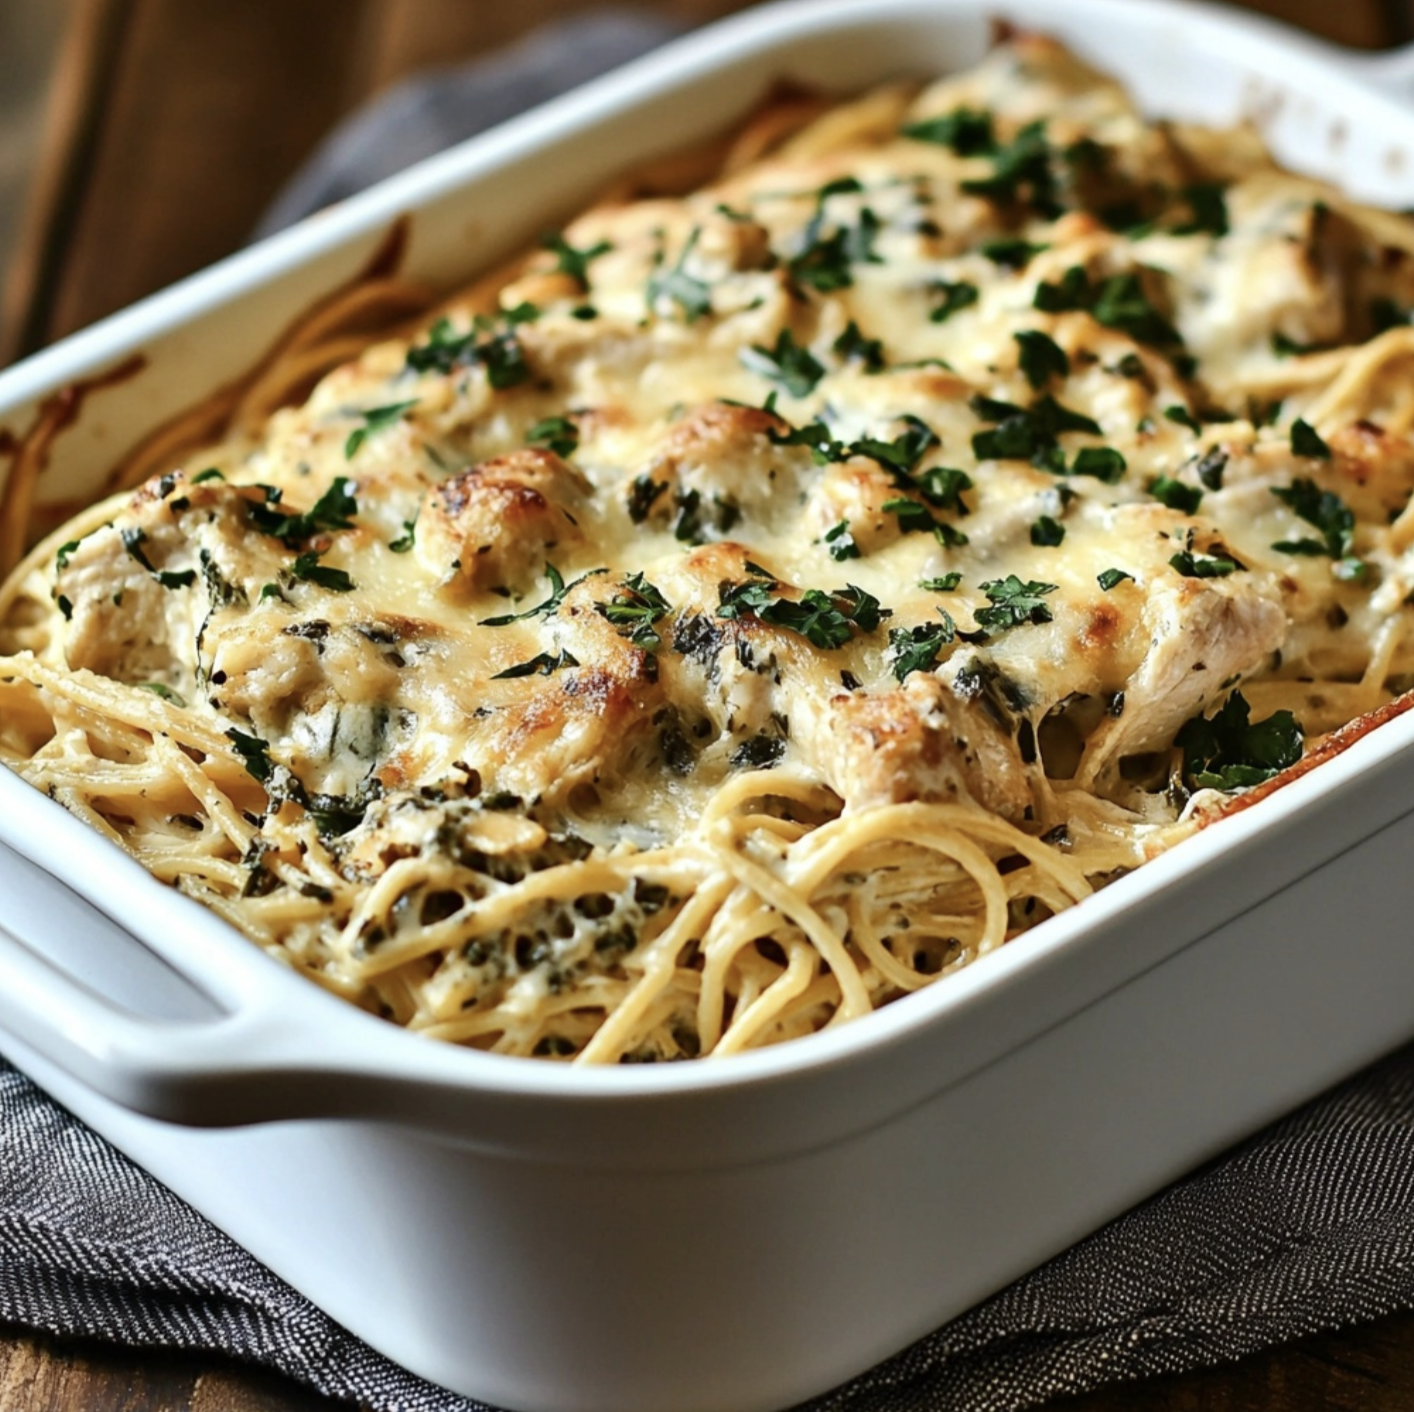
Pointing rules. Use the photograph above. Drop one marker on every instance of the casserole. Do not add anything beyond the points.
(592, 1193)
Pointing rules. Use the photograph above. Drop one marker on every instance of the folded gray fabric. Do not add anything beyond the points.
(426, 114)
(1308, 1226)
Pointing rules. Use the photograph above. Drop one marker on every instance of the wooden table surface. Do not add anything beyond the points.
(170, 126)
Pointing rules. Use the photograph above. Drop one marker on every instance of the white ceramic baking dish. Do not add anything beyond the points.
(734, 1235)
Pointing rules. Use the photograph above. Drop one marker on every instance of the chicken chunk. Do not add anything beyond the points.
(493, 524)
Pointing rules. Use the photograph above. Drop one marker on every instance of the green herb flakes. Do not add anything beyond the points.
(557, 434)
(1228, 751)
(558, 589)
(1041, 358)
(690, 294)
(1014, 603)
(792, 368)
(307, 569)
(967, 131)
(953, 296)
(571, 261)
(1047, 532)
(1176, 495)
(1306, 441)
(916, 649)
(375, 419)
(636, 610)
(840, 542)
(542, 664)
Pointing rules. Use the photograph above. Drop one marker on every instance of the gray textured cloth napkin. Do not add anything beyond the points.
(1308, 1226)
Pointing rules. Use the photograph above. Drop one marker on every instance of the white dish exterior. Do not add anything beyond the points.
(734, 1235)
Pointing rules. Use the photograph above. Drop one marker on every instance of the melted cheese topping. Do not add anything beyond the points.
(767, 599)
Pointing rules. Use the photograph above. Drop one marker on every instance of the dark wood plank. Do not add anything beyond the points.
(42, 1374)
(1369, 1368)
(1363, 24)
(212, 106)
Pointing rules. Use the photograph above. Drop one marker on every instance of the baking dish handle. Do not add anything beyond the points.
(233, 1067)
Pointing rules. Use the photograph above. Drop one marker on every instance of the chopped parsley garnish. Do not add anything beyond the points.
(642, 492)
(695, 516)
(853, 347)
(406, 539)
(133, 540)
(1047, 532)
(1209, 468)
(308, 569)
(899, 456)
(1104, 463)
(333, 511)
(1014, 603)
(942, 487)
(557, 434)
(1329, 514)
(501, 355)
(916, 649)
(1208, 206)
(61, 559)
(1021, 172)
(1205, 566)
(914, 518)
(573, 262)
(841, 542)
(542, 664)
(1031, 434)
(1011, 251)
(759, 752)
(690, 294)
(1180, 414)
(818, 437)
(823, 619)
(956, 294)
(1306, 441)
(1228, 751)
(1110, 577)
(945, 584)
(558, 589)
(254, 753)
(65, 606)
(504, 360)
(904, 452)
(968, 131)
(1118, 302)
(210, 473)
(637, 608)
(824, 262)
(1041, 357)
(793, 368)
(375, 419)
(1184, 498)
(444, 349)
